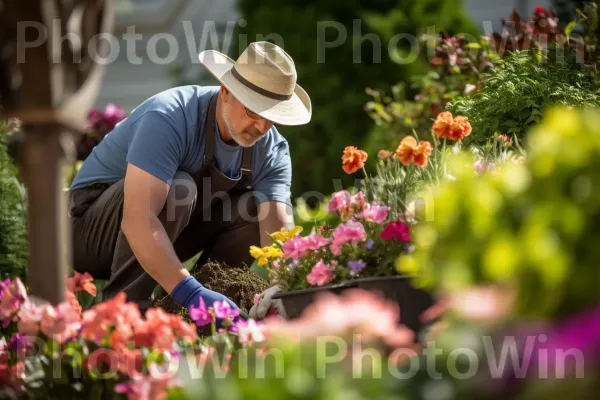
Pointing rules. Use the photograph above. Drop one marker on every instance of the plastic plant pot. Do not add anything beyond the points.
(412, 301)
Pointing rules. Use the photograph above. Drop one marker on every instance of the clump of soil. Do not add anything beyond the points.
(238, 284)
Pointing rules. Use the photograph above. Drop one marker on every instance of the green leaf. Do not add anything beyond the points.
(569, 28)
(260, 271)
(473, 46)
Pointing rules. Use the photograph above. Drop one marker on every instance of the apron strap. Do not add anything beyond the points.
(247, 161)
(209, 131)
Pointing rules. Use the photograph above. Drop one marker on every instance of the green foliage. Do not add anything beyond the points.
(336, 77)
(531, 226)
(520, 88)
(13, 233)
(459, 67)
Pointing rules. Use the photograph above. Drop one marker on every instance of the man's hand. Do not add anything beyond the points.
(266, 302)
(189, 292)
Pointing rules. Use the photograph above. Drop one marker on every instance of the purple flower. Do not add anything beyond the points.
(369, 245)
(18, 344)
(224, 310)
(200, 314)
(408, 248)
(356, 266)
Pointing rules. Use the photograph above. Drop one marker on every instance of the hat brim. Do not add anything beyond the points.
(295, 111)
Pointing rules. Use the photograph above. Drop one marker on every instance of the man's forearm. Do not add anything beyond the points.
(154, 251)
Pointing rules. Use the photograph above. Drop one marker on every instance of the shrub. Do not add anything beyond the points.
(529, 226)
(520, 88)
(13, 228)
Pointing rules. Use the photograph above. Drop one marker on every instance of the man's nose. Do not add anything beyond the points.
(263, 125)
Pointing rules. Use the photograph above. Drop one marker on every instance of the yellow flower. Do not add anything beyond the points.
(258, 254)
(263, 255)
(284, 235)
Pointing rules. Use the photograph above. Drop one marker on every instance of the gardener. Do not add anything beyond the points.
(191, 169)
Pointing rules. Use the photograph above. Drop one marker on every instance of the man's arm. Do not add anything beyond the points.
(145, 196)
(272, 216)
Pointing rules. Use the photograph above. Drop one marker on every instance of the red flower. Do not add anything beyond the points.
(396, 230)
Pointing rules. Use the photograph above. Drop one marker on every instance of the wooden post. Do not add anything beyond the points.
(42, 157)
(52, 100)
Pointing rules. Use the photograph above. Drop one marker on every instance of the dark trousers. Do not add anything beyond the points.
(223, 230)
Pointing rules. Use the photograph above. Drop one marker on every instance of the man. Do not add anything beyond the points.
(191, 169)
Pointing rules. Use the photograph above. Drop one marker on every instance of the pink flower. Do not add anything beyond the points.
(339, 201)
(250, 331)
(321, 274)
(200, 314)
(224, 310)
(346, 204)
(13, 295)
(29, 317)
(350, 232)
(298, 246)
(383, 154)
(396, 230)
(374, 212)
(60, 323)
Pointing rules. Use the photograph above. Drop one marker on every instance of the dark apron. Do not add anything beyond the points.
(209, 175)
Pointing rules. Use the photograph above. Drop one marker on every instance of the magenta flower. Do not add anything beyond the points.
(113, 115)
(321, 274)
(374, 212)
(224, 310)
(3, 285)
(200, 314)
(18, 344)
(396, 230)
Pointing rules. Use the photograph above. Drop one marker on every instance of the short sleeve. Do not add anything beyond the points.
(274, 180)
(156, 145)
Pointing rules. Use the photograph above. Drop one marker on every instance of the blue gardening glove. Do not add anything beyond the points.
(189, 291)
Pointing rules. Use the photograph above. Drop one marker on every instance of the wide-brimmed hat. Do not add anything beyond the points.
(263, 79)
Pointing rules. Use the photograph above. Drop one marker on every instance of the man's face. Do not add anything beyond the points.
(244, 126)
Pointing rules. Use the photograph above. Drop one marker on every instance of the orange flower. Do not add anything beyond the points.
(405, 152)
(460, 128)
(410, 152)
(443, 125)
(422, 153)
(353, 159)
(82, 283)
(507, 140)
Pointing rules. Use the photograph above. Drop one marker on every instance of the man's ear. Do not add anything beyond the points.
(225, 94)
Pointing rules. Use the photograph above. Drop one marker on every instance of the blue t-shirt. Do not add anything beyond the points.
(161, 136)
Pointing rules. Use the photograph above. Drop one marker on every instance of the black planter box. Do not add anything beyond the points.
(412, 301)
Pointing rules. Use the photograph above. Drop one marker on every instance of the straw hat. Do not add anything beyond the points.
(263, 79)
